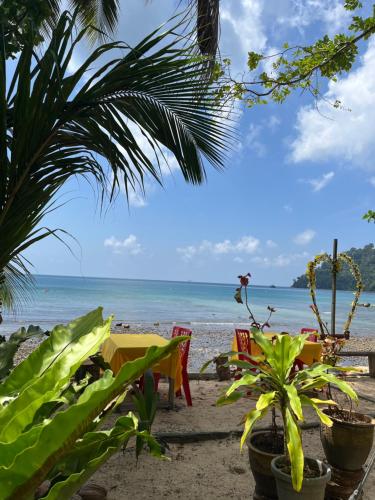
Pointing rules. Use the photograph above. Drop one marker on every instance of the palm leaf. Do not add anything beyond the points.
(61, 124)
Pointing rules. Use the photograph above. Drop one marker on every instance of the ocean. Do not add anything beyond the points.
(205, 306)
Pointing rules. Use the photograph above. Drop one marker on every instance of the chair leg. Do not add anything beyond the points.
(186, 386)
(156, 381)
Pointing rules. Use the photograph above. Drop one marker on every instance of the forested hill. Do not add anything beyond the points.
(364, 257)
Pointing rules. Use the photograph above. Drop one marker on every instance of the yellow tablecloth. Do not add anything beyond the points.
(311, 351)
(120, 348)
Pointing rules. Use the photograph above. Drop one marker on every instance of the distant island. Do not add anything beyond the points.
(364, 257)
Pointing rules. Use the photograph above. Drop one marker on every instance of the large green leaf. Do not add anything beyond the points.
(55, 438)
(294, 400)
(247, 379)
(89, 453)
(313, 402)
(55, 348)
(63, 355)
(295, 451)
(250, 419)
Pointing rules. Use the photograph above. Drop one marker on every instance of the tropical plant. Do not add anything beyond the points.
(19, 17)
(145, 402)
(10, 346)
(57, 123)
(244, 283)
(276, 388)
(49, 427)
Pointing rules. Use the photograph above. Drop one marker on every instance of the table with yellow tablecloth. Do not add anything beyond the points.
(310, 354)
(120, 348)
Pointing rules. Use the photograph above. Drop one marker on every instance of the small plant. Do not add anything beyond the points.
(244, 283)
(277, 389)
(145, 402)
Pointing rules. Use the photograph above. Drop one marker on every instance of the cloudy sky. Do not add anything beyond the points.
(297, 178)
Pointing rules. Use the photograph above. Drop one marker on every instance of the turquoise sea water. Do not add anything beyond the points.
(58, 299)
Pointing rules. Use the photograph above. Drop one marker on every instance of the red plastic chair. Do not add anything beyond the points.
(314, 334)
(184, 347)
(243, 345)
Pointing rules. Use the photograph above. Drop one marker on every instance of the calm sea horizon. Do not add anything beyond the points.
(59, 299)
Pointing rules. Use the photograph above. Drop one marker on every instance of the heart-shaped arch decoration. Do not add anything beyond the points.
(311, 277)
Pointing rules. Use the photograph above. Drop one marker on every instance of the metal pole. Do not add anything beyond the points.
(333, 308)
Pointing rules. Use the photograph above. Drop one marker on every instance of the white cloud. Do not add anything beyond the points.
(372, 181)
(136, 199)
(271, 244)
(253, 141)
(305, 237)
(320, 182)
(245, 245)
(303, 13)
(239, 260)
(281, 260)
(349, 135)
(273, 122)
(128, 245)
(245, 17)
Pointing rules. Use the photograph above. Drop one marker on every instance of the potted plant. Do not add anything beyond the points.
(348, 442)
(295, 476)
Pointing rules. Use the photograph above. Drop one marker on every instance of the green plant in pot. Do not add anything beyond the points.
(348, 441)
(277, 389)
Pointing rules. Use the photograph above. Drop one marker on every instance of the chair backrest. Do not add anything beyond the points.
(179, 331)
(243, 342)
(314, 334)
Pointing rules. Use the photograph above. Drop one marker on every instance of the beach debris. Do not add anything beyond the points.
(92, 491)
(42, 489)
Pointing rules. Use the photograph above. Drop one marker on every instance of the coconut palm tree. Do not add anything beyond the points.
(56, 123)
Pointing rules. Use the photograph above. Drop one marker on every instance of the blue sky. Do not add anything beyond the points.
(297, 179)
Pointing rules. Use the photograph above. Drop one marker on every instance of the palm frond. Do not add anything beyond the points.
(58, 124)
(102, 15)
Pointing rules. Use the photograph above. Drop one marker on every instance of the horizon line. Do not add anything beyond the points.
(157, 280)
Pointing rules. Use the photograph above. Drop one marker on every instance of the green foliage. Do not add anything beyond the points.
(289, 394)
(302, 67)
(56, 123)
(363, 257)
(145, 404)
(43, 439)
(369, 216)
(9, 347)
(22, 19)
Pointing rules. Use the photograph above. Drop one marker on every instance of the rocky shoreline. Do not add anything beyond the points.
(209, 342)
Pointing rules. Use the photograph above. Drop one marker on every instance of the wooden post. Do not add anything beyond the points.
(333, 306)
(371, 364)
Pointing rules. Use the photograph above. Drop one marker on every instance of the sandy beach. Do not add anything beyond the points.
(209, 469)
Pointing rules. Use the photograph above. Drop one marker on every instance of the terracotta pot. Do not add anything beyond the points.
(347, 444)
(313, 488)
(260, 465)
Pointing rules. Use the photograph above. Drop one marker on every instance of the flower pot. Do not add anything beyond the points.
(313, 488)
(260, 462)
(347, 444)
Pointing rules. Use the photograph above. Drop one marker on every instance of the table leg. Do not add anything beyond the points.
(171, 392)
